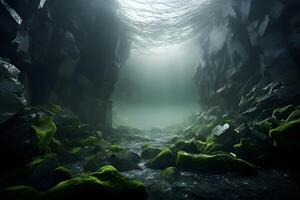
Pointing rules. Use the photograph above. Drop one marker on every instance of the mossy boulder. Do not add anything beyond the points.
(150, 152)
(26, 134)
(106, 183)
(170, 173)
(189, 146)
(124, 160)
(211, 145)
(20, 193)
(282, 113)
(95, 162)
(219, 163)
(286, 137)
(164, 159)
(45, 172)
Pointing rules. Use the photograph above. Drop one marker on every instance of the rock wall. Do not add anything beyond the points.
(68, 51)
(251, 58)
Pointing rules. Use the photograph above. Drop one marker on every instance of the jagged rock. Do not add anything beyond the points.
(283, 112)
(11, 91)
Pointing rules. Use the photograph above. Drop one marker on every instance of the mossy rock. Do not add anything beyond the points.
(62, 174)
(187, 146)
(106, 183)
(163, 160)
(211, 145)
(283, 112)
(294, 116)
(25, 135)
(124, 160)
(170, 173)
(95, 162)
(219, 163)
(286, 137)
(150, 152)
(20, 193)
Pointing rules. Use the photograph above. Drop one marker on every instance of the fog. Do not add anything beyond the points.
(156, 87)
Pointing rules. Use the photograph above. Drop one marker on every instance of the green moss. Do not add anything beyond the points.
(211, 145)
(170, 173)
(106, 183)
(219, 163)
(286, 137)
(163, 160)
(150, 152)
(115, 148)
(44, 130)
(283, 112)
(20, 193)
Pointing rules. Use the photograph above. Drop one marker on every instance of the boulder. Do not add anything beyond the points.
(191, 146)
(150, 152)
(106, 183)
(219, 163)
(26, 134)
(164, 159)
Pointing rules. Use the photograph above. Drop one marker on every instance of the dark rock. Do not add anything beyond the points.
(164, 159)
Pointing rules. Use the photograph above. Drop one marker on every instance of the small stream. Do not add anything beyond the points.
(268, 184)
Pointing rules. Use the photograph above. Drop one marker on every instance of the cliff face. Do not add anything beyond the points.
(251, 59)
(69, 52)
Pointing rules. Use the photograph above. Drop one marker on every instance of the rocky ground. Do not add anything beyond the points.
(48, 153)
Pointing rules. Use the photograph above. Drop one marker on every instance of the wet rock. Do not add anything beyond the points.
(266, 125)
(164, 159)
(150, 152)
(95, 162)
(124, 160)
(219, 163)
(106, 183)
(286, 136)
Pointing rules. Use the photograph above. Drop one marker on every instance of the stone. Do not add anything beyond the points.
(282, 113)
(150, 152)
(164, 159)
(219, 163)
(294, 115)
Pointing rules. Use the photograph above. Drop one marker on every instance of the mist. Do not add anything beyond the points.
(156, 87)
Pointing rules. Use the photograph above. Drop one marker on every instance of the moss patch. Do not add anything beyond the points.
(163, 160)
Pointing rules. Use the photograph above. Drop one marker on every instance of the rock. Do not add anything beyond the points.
(294, 115)
(283, 112)
(187, 146)
(286, 136)
(150, 152)
(106, 183)
(26, 134)
(170, 173)
(124, 160)
(95, 162)
(163, 160)
(219, 163)
(20, 192)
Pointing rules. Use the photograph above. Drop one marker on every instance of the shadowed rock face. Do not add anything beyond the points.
(69, 52)
(254, 66)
